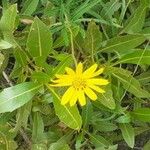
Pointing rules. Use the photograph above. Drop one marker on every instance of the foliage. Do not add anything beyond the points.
(39, 38)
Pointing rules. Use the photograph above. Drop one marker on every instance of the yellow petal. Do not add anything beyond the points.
(59, 76)
(73, 99)
(67, 96)
(60, 84)
(81, 97)
(100, 71)
(90, 93)
(96, 88)
(97, 81)
(70, 71)
(79, 69)
(90, 71)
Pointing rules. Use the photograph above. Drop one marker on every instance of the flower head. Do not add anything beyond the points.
(80, 84)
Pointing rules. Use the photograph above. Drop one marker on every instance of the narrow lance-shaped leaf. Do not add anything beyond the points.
(144, 78)
(129, 83)
(122, 43)
(139, 56)
(38, 128)
(39, 42)
(136, 20)
(68, 115)
(128, 134)
(14, 97)
(142, 114)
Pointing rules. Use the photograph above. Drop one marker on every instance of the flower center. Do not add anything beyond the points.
(79, 83)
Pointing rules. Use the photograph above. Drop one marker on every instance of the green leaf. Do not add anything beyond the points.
(109, 9)
(146, 32)
(137, 57)
(124, 119)
(129, 83)
(29, 7)
(147, 146)
(7, 22)
(142, 114)
(122, 43)
(87, 112)
(1, 59)
(107, 98)
(136, 20)
(104, 126)
(68, 115)
(7, 138)
(38, 128)
(59, 146)
(93, 38)
(20, 56)
(22, 116)
(39, 42)
(83, 8)
(41, 77)
(128, 134)
(98, 140)
(60, 68)
(39, 146)
(16, 96)
(144, 78)
(5, 45)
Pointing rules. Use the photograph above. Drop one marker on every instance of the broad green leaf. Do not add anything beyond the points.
(5, 45)
(122, 43)
(29, 7)
(14, 97)
(129, 83)
(39, 42)
(137, 57)
(93, 38)
(68, 115)
(128, 134)
(7, 22)
(107, 98)
(136, 20)
(142, 114)
(38, 128)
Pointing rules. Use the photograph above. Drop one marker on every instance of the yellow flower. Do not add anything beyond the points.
(80, 83)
